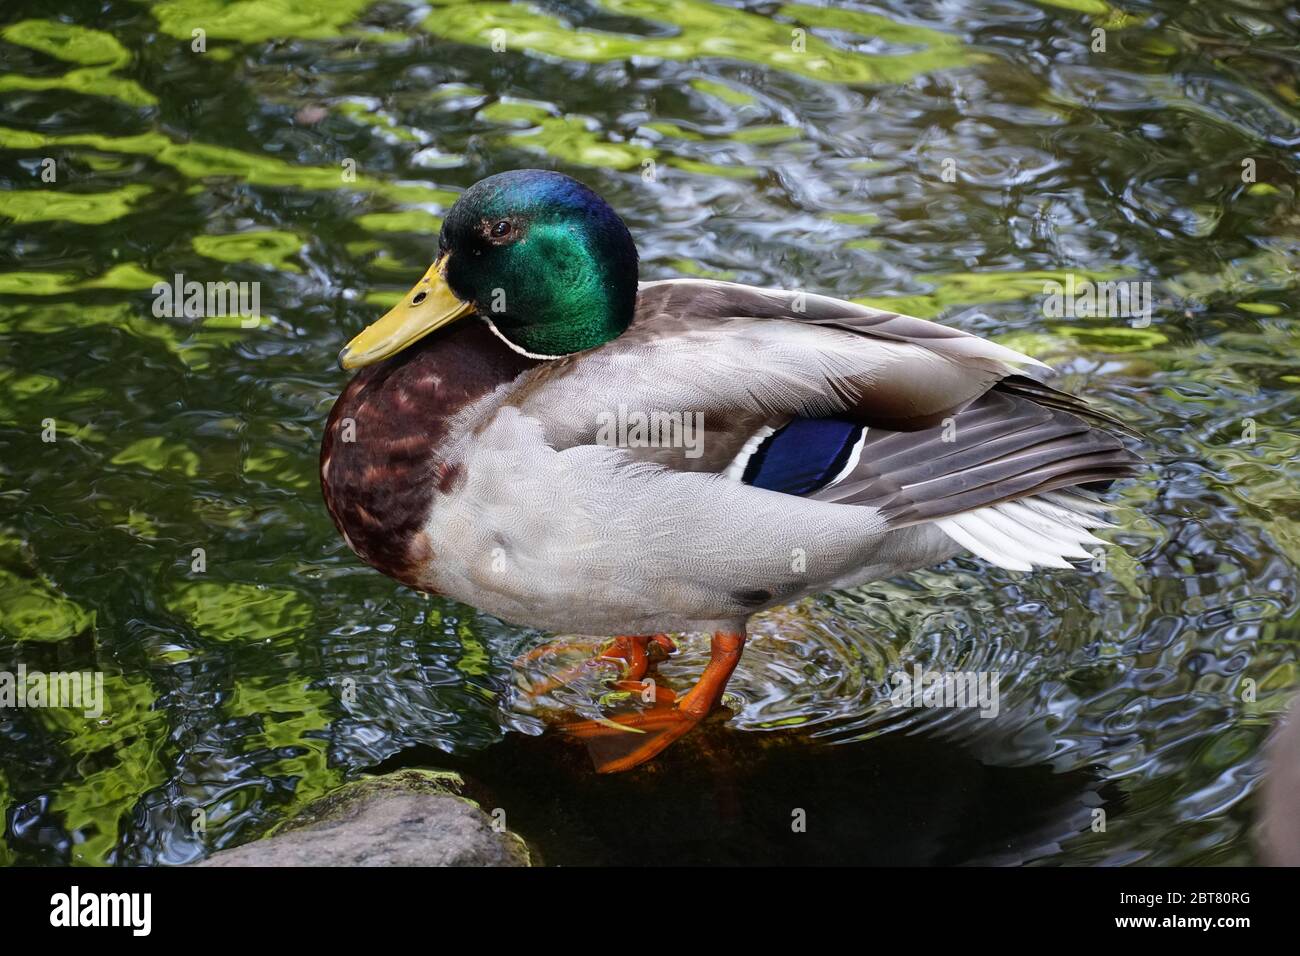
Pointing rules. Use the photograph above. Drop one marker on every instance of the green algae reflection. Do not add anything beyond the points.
(571, 139)
(295, 717)
(203, 161)
(580, 141)
(126, 276)
(32, 608)
(712, 30)
(64, 317)
(53, 205)
(962, 289)
(240, 612)
(266, 247)
(252, 21)
(95, 808)
(157, 454)
(98, 55)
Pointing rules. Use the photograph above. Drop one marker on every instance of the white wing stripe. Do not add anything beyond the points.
(736, 470)
(854, 457)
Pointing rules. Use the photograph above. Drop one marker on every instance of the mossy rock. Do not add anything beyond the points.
(407, 818)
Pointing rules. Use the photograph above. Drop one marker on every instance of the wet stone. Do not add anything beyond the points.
(407, 818)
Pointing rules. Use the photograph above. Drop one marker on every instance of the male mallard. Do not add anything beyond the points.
(540, 464)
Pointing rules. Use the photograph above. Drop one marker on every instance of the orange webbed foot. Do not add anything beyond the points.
(627, 740)
(633, 654)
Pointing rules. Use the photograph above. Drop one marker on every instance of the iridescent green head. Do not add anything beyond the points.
(536, 254)
(544, 259)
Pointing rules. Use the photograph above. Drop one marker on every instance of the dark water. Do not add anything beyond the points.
(1144, 689)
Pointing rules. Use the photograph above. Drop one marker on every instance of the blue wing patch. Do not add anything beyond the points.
(805, 455)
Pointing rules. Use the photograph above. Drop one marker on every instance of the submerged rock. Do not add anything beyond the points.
(407, 818)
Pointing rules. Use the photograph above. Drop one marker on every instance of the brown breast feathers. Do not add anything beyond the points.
(378, 465)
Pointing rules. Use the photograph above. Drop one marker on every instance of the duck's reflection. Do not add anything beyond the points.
(773, 798)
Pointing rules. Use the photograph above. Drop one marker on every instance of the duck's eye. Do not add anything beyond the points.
(501, 229)
(419, 298)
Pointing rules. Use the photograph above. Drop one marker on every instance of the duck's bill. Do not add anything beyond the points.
(426, 308)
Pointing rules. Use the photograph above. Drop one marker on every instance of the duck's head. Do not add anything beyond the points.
(539, 256)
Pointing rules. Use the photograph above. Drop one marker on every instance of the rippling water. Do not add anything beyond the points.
(787, 144)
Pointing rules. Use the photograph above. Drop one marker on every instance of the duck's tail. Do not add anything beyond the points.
(1010, 477)
(1041, 530)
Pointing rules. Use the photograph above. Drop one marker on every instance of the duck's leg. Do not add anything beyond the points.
(636, 654)
(623, 742)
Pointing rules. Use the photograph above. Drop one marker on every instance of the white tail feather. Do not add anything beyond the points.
(1038, 531)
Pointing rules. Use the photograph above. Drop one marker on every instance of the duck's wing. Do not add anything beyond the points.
(885, 368)
(713, 300)
(745, 357)
(1007, 478)
(838, 404)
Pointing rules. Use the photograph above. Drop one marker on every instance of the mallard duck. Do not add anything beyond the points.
(536, 433)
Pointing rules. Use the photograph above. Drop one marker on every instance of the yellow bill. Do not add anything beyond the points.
(426, 308)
